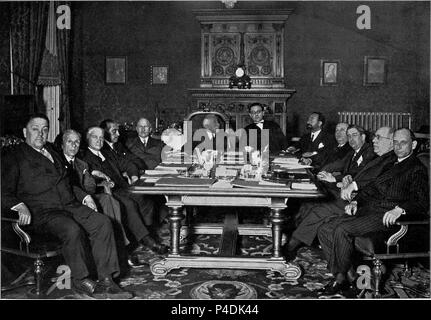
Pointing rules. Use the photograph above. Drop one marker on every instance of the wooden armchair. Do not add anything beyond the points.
(21, 241)
(411, 240)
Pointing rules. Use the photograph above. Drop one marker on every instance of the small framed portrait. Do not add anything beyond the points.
(375, 69)
(329, 72)
(159, 75)
(115, 70)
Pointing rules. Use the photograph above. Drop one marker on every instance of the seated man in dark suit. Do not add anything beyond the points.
(113, 146)
(139, 209)
(276, 138)
(339, 151)
(80, 177)
(315, 145)
(401, 190)
(354, 161)
(144, 146)
(317, 213)
(212, 137)
(35, 184)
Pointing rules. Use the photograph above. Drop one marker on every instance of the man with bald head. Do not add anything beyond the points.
(399, 191)
(145, 147)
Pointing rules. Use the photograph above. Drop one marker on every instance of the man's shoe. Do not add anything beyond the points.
(108, 289)
(333, 289)
(84, 286)
(158, 248)
(134, 262)
(290, 255)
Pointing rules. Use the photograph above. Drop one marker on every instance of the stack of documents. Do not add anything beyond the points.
(303, 186)
(289, 163)
(184, 182)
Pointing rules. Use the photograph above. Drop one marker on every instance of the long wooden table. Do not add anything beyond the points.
(178, 197)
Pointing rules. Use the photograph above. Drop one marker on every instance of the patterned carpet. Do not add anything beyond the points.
(242, 284)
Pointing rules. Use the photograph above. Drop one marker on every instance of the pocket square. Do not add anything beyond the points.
(321, 145)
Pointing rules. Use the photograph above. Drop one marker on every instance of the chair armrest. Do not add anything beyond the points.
(9, 219)
(404, 226)
(24, 236)
(416, 222)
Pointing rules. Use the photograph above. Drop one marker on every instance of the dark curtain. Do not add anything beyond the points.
(63, 48)
(28, 30)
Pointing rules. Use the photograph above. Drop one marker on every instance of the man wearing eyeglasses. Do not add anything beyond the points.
(276, 139)
(401, 190)
(359, 160)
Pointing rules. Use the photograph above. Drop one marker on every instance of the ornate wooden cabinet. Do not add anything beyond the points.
(253, 39)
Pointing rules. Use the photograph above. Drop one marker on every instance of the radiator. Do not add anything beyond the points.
(371, 121)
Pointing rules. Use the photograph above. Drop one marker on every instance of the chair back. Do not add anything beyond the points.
(197, 118)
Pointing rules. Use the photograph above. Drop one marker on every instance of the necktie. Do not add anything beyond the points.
(72, 164)
(47, 154)
(312, 136)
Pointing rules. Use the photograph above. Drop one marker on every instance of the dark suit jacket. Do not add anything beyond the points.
(332, 162)
(149, 154)
(322, 144)
(30, 177)
(404, 184)
(277, 140)
(374, 168)
(80, 176)
(350, 164)
(110, 167)
(121, 151)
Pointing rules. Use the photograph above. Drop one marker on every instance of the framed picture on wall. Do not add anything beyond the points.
(329, 72)
(159, 75)
(115, 70)
(375, 71)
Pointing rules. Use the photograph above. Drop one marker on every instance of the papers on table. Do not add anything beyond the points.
(187, 182)
(284, 160)
(265, 185)
(303, 186)
(158, 172)
(222, 184)
(289, 163)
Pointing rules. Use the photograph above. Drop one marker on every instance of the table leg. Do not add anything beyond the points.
(276, 221)
(175, 218)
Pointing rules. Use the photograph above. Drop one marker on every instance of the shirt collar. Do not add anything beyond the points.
(68, 158)
(143, 140)
(95, 152)
(342, 145)
(402, 159)
(316, 133)
(110, 144)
